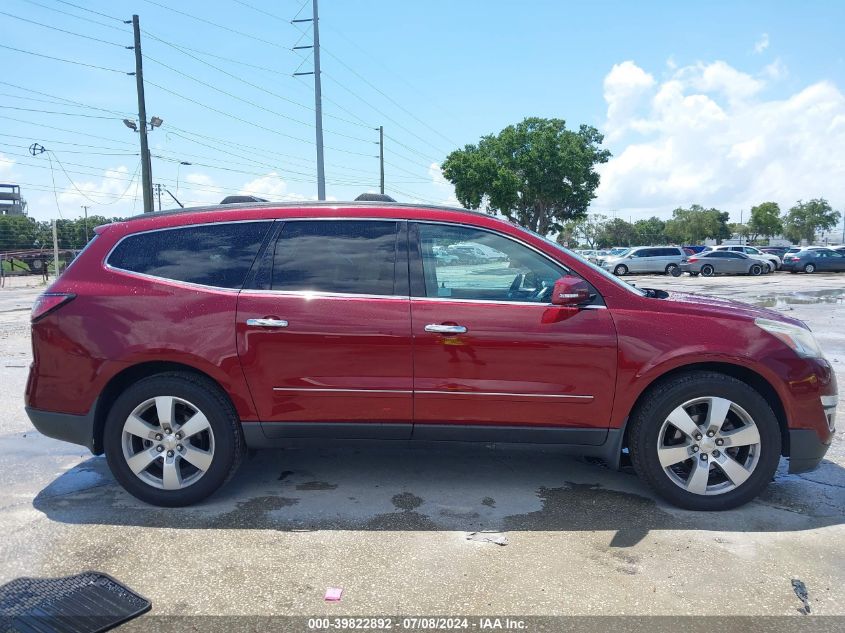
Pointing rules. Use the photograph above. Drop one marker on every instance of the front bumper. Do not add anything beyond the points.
(77, 429)
(806, 450)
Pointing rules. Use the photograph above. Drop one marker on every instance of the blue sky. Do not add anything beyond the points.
(719, 103)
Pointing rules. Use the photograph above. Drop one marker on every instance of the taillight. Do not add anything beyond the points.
(693, 259)
(47, 302)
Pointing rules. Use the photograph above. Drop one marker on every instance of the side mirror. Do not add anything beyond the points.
(570, 291)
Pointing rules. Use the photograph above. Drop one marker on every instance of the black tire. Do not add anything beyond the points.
(809, 268)
(620, 270)
(707, 270)
(663, 398)
(692, 274)
(229, 447)
(756, 270)
(674, 270)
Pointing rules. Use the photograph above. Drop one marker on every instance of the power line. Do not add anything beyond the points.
(105, 15)
(245, 121)
(69, 151)
(62, 129)
(55, 28)
(244, 81)
(78, 104)
(214, 24)
(79, 17)
(61, 59)
(53, 141)
(79, 114)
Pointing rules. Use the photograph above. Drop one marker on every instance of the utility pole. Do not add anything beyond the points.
(55, 250)
(318, 98)
(381, 155)
(158, 194)
(146, 167)
(85, 221)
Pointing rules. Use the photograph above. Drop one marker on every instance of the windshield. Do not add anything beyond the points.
(601, 271)
(619, 252)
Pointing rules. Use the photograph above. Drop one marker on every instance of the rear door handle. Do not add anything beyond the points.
(445, 329)
(266, 322)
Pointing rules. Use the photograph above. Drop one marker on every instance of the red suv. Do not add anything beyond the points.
(176, 341)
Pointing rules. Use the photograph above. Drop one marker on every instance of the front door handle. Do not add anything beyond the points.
(266, 322)
(445, 329)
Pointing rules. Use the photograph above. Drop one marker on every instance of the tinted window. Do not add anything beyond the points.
(349, 256)
(466, 263)
(213, 254)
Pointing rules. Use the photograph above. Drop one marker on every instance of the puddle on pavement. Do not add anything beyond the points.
(808, 297)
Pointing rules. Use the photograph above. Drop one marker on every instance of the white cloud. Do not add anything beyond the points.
(6, 163)
(705, 135)
(445, 190)
(624, 85)
(761, 44)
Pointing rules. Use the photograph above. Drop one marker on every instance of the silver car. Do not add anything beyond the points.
(646, 259)
(754, 253)
(712, 263)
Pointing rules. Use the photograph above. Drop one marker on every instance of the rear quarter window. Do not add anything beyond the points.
(217, 255)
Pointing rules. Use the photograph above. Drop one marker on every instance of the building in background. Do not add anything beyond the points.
(11, 202)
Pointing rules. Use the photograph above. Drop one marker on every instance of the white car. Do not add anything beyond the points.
(754, 253)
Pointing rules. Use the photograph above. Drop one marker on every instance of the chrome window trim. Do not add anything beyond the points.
(331, 390)
(320, 294)
(504, 393)
(434, 392)
(189, 284)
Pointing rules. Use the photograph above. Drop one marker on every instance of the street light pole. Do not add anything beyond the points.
(85, 221)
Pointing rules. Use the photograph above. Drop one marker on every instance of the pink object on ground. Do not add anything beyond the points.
(333, 594)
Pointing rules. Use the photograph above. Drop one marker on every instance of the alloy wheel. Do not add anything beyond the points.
(708, 446)
(707, 271)
(810, 268)
(168, 442)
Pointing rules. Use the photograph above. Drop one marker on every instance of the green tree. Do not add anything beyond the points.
(616, 232)
(585, 231)
(806, 218)
(649, 232)
(693, 225)
(536, 173)
(20, 232)
(765, 220)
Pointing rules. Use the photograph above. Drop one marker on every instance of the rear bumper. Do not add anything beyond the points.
(77, 429)
(806, 449)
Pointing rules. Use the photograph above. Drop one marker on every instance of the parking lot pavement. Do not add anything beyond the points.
(390, 526)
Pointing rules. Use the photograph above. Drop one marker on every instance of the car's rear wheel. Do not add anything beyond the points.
(755, 270)
(620, 270)
(172, 439)
(707, 270)
(809, 268)
(705, 441)
(674, 270)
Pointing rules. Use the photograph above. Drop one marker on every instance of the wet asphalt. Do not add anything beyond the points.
(420, 530)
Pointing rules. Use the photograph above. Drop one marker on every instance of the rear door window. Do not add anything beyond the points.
(217, 255)
(337, 256)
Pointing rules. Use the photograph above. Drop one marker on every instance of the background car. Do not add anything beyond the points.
(723, 262)
(812, 260)
(646, 259)
(780, 251)
(754, 253)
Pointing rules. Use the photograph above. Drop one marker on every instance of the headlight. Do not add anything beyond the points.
(799, 339)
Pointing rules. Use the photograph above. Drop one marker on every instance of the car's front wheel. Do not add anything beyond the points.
(620, 270)
(705, 441)
(172, 439)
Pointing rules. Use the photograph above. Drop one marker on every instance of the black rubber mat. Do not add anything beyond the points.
(84, 603)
